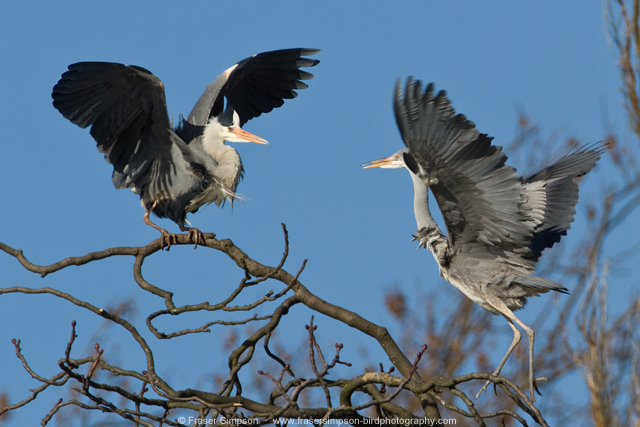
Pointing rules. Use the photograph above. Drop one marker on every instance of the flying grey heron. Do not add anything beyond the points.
(497, 223)
(177, 170)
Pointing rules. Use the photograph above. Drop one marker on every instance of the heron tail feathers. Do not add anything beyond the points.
(539, 284)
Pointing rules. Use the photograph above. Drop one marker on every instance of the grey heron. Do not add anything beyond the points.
(176, 171)
(497, 223)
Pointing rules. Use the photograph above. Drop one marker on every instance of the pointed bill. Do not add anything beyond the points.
(387, 161)
(248, 136)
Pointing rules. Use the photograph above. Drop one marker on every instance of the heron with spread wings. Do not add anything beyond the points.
(176, 171)
(497, 223)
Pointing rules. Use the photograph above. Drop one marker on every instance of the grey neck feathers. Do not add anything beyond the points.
(421, 204)
(429, 234)
(229, 166)
(229, 170)
(213, 140)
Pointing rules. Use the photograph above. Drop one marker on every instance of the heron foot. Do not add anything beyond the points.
(535, 386)
(196, 237)
(532, 386)
(169, 238)
(495, 373)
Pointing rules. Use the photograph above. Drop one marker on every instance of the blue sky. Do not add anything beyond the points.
(550, 59)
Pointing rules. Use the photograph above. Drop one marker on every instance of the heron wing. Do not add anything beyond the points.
(255, 85)
(552, 195)
(126, 109)
(479, 196)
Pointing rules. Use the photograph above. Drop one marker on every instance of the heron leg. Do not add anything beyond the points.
(516, 339)
(195, 236)
(532, 336)
(169, 237)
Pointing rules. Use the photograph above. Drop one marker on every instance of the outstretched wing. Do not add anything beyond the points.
(255, 85)
(552, 194)
(480, 197)
(126, 109)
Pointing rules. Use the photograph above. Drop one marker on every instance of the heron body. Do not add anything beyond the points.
(176, 171)
(497, 223)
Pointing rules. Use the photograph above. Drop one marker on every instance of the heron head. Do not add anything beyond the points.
(230, 130)
(394, 161)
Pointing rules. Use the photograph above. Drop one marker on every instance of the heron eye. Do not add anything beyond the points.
(230, 128)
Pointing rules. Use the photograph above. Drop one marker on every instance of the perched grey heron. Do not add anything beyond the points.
(497, 223)
(177, 170)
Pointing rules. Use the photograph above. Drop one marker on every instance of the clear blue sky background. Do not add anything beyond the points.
(56, 199)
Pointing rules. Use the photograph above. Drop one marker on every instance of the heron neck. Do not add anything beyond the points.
(212, 139)
(421, 204)
(429, 234)
(228, 168)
